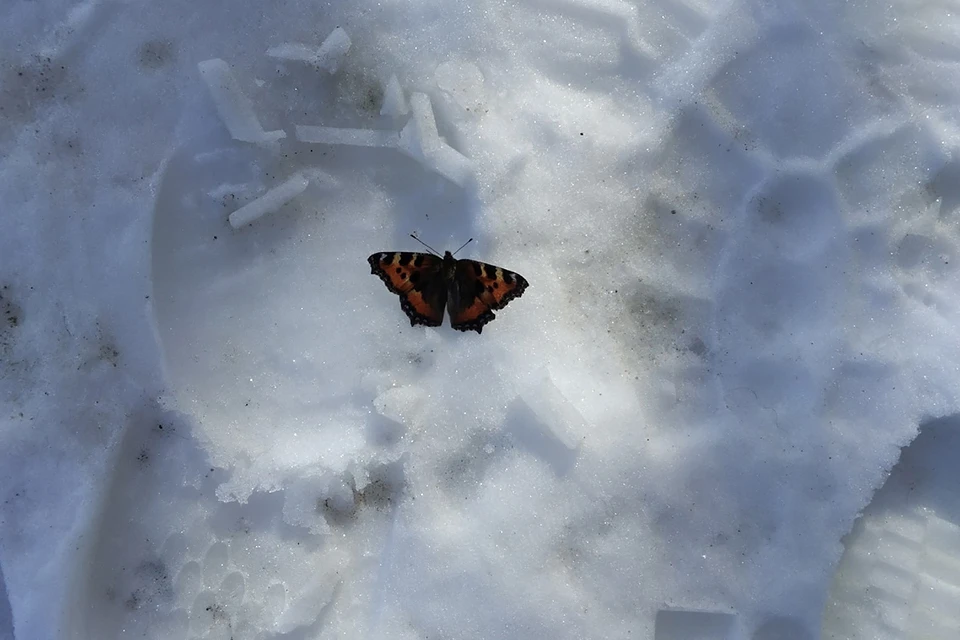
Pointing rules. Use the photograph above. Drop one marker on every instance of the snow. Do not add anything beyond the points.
(899, 568)
(738, 221)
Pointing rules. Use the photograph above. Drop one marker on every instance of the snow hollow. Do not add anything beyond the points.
(739, 222)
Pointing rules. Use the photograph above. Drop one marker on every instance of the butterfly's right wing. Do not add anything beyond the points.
(418, 280)
(482, 288)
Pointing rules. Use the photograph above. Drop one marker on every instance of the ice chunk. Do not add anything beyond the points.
(556, 413)
(270, 201)
(333, 50)
(694, 625)
(400, 404)
(411, 142)
(463, 80)
(451, 164)
(419, 136)
(233, 105)
(354, 137)
(420, 140)
(547, 424)
(304, 498)
(294, 51)
(329, 56)
(394, 102)
(318, 176)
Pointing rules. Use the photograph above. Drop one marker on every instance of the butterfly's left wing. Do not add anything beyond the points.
(481, 288)
(418, 280)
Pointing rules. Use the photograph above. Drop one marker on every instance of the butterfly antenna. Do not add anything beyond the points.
(462, 246)
(432, 250)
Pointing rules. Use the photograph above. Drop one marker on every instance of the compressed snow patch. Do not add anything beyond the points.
(233, 105)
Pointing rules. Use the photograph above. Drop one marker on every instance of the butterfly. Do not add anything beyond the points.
(427, 283)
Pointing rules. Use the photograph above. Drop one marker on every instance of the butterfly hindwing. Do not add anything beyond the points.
(479, 288)
(417, 278)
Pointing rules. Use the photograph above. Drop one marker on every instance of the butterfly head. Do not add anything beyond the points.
(449, 265)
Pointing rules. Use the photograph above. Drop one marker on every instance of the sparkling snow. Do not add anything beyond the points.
(739, 224)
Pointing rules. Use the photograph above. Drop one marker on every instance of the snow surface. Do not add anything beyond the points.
(739, 224)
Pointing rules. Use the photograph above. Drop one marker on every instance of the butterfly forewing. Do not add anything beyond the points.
(417, 279)
(482, 288)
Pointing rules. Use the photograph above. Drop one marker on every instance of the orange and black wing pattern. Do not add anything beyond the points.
(418, 279)
(480, 289)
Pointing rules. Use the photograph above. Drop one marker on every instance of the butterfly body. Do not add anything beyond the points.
(427, 284)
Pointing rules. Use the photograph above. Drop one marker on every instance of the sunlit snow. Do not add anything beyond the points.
(739, 224)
